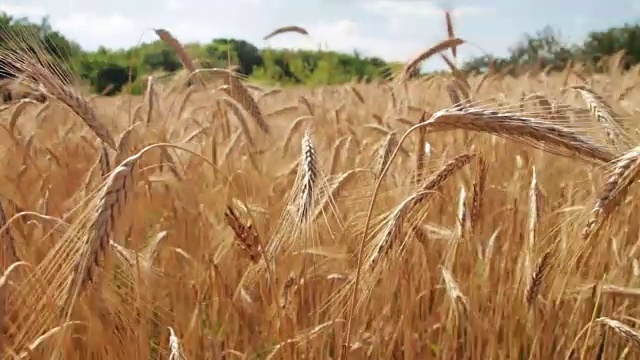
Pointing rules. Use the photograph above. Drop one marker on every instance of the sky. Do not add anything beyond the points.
(395, 30)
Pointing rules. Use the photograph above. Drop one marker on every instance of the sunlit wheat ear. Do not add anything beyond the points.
(454, 88)
(239, 92)
(412, 66)
(105, 162)
(306, 104)
(112, 199)
(140, 264)
(309, 171)
(623, 173)
(73, 100)
(422, 151)
(246, 238)
(533, 132)
(236, 109)
(176, 46)
(453, 290)
(337, 153)
(631, 335)
(384, 152)
(450, 32)
(174, 346)
(292, 130)
(605, 115)
(356, 93)
(17, 111)
(125, 145)
(393, 229)
(477, 197)
(150, 96)
(30, 61)
(459, 302)
(461, 224)
(537, 278)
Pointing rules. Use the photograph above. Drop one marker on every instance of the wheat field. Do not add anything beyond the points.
(450, 216)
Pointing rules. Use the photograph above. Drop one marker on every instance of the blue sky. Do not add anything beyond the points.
(391, 29)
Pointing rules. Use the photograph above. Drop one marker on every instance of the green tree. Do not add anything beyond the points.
(163, 59)
(113, 77)
(611, 41)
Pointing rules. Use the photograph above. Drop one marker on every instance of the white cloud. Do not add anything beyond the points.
(175, 4)
(417, 8)
(402, 7)
(345, 36)
(471, 10)
(23, 10)
(93, 30)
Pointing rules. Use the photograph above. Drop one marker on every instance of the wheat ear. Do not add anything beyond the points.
(412, 65)
(603, 112)
(112, 199)
(309, 170)
(397, 218)
(537, 278)
(286, 29)
(73, 100)
(240, 93)
(624, 172)
(176, 46)
(529, 131)
(623, 330)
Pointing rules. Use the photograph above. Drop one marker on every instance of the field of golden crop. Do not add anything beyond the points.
(332, 234)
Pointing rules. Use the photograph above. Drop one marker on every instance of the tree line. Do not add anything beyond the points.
(547, 48)
(109, 71)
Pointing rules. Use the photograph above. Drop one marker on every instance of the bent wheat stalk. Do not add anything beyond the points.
(535, 131)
